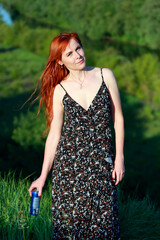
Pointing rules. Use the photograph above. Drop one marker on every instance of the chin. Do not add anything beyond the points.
(82, 66)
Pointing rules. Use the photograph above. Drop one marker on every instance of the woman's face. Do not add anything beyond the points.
(73, 57)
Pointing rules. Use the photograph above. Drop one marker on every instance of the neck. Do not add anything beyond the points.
(78, 75)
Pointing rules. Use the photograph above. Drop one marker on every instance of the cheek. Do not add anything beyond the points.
(70, 60)
(82, 52)
(67, 61)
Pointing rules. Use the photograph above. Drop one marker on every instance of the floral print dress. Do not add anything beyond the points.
(84, 196)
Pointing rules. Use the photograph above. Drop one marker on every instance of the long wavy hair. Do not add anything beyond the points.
(52, 75)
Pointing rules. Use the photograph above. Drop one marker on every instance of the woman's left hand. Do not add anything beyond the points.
(119, 170)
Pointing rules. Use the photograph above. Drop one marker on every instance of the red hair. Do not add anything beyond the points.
(53, 74)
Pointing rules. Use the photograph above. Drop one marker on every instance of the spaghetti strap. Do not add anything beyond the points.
(102, 75)
(63, 87)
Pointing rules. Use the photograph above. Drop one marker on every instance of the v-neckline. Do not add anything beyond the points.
(86, 110)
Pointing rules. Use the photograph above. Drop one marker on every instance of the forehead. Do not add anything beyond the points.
(71, 45)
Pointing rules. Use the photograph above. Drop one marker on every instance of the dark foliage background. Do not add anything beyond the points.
(122, 35)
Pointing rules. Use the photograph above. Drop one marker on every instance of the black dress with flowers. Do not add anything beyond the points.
(84, 196)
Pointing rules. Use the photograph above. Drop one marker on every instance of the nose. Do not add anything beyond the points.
(77, 55)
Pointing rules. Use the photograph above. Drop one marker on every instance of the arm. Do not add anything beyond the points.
(51, 142)
(118, 121)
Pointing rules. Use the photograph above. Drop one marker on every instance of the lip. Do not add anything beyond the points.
(80, 61)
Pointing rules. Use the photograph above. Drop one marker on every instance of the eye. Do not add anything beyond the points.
(69, 54)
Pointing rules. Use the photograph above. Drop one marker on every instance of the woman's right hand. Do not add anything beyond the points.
(37, 184)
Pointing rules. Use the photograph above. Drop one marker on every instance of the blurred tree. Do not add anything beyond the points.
(127, 20)
(150, 23)
(146, 74)
(28, 130)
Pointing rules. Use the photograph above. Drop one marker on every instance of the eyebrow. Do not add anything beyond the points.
(75, 49)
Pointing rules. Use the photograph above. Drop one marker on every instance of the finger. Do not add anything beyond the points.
(122, 176)
(113, 174)
(30, 191)
(117, 179)
(32, 187)
(40, 192)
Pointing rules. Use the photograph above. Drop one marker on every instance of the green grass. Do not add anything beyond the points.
(15, 220)
(138, 218)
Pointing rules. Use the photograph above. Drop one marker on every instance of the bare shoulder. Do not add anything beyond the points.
(58, 94)
(95, 72)
(108, 75)
(109, 78)
(108, 72)
(58, 112)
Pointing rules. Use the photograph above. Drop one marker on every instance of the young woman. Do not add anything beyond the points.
(79, 102)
